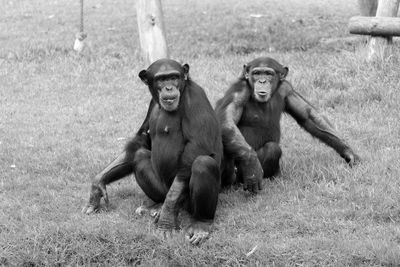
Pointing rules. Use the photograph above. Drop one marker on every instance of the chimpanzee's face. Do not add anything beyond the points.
(264, 77)
(168, 87)
(166, 81)
(264, 81)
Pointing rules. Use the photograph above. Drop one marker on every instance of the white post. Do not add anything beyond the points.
(151, 30)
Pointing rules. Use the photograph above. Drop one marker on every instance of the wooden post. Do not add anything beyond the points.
(368, 7)
(378, 45)
(151, 30)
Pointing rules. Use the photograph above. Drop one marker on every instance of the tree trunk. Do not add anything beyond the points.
(378, 45)
(151, 30)
(368, 7)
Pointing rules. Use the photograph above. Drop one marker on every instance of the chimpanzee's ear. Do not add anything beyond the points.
(186, 71)
(143, 76)
(245, 73)
(283, 74)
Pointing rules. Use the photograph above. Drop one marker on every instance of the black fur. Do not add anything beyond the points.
(259, 122)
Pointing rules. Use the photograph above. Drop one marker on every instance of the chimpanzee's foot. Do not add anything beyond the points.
(198, 231)
(152, 209)
(97, 192)
(273, 175)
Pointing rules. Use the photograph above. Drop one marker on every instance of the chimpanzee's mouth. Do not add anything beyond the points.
(169, 99)
(262, 93)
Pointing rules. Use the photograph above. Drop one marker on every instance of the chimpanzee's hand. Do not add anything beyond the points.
(97, 192)
(252, 174)
(350, 157)
(166, 223)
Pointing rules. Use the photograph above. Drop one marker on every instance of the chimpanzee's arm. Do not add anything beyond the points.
(229, 111)
(142, 137)
(317, 125)
(123, 164)
(120, 167)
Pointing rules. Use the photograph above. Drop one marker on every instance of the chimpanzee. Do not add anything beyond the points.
(176, 154)
(250, 114)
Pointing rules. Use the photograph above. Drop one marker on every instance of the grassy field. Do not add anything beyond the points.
(63, 117)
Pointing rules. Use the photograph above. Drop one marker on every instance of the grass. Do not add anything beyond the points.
(63, 117)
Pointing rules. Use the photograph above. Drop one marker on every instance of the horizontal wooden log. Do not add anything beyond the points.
(375, 26)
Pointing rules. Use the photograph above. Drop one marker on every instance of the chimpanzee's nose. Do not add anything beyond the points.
(169, 88)
(262, 81)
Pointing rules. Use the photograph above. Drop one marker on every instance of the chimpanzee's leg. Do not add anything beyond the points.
(269, 156)
(151, 185)
(204, 187)
(228, 176)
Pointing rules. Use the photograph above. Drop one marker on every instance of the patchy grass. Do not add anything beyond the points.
(63, 117)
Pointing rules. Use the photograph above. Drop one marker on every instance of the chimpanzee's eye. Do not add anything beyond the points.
(174, 77)
(270, 73)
